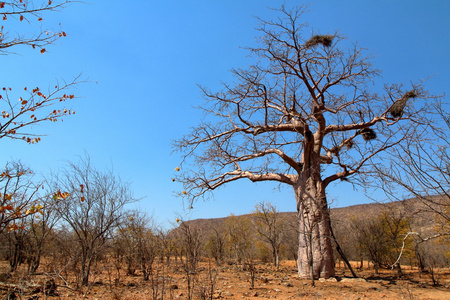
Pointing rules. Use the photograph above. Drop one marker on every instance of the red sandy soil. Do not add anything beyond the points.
(231, 282)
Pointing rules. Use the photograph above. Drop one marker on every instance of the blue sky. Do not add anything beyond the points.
(144, 60)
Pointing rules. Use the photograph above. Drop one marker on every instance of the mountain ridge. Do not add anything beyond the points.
(414, 208)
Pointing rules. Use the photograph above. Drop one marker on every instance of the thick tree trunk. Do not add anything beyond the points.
(315, 251)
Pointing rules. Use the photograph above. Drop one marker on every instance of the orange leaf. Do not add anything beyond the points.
(12, 227)
(42, 50)
(82, 199)
(2, 4)
(40, 19)
(21, 18)
(7, 207)
(24, 102)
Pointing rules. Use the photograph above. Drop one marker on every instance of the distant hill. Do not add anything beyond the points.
(419, 214)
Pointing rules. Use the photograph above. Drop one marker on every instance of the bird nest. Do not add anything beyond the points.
(326, 40)
(368, 134)
(398, 107)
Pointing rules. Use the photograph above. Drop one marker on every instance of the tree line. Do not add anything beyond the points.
(91, 228)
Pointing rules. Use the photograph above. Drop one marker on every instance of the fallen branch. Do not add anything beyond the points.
(422, 240)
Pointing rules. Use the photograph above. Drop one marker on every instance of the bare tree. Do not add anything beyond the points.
(139, 242)
(28, 11)
(20, 113)
(422, 171)
(380, 237)
(348, 240)
(93, 209)
(432, 256)
(166, 244)
(305, 115)
(373, 240)
(34, 105)
(269, 225)
(18, 243)
(125, 250)
(41, 226)
(240, 238)
(290, 237)
(190, 240)
(19, 195)
(215, 245)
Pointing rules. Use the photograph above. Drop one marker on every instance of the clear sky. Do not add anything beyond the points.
(144, 60)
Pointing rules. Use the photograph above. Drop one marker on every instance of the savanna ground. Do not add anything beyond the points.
(226, 282)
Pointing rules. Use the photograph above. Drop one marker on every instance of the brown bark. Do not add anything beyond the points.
(315, 252)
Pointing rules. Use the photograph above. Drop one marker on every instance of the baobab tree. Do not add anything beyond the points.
(306, 114)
